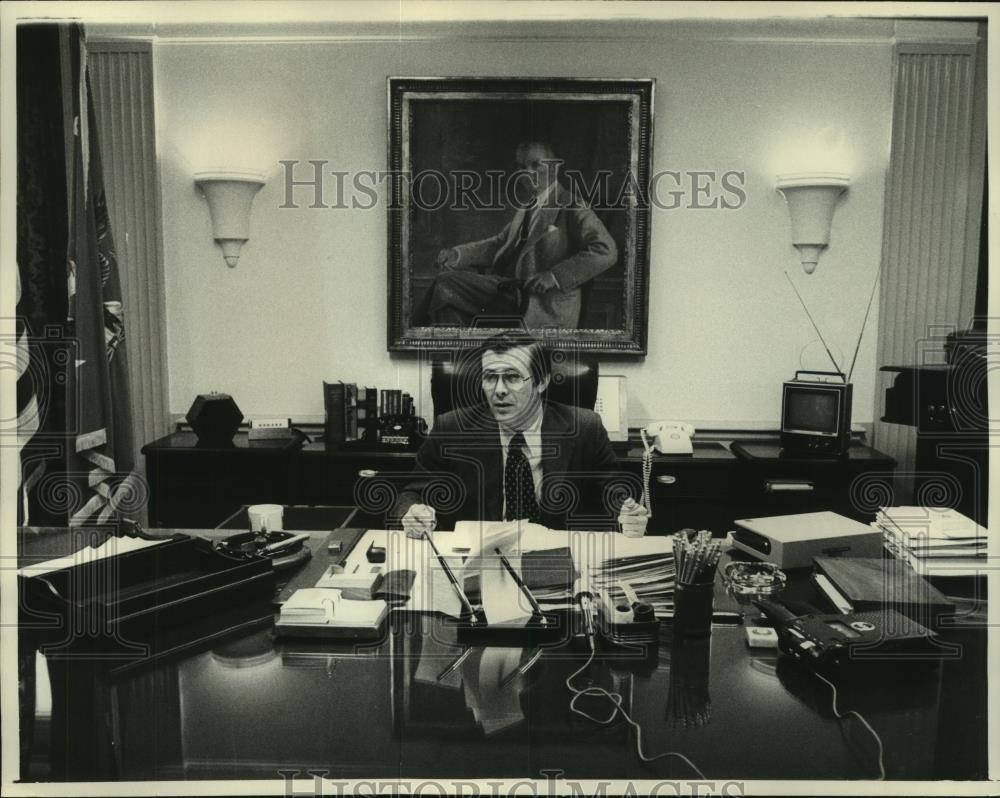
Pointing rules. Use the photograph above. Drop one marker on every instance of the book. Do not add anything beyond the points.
(549, 573)
(350, 412)
(333, 407)
(362, 411)
(371, 414)
(876, 583)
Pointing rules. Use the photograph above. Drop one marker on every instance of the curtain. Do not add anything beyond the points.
(70, 298)
(121, 75)
(930, 254)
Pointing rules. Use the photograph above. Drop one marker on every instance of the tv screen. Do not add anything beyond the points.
(811, 410)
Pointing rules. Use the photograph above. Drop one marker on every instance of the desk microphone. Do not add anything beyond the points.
(584, 597)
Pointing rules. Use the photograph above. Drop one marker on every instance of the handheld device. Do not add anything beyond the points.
(832, 639)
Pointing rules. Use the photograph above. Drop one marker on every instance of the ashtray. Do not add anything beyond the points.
(754, 578)
(283, 549)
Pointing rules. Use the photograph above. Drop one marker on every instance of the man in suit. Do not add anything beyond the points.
(515, 455)
(534, 267)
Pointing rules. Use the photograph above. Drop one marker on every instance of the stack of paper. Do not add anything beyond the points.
(650, 577)
(935, 541)
(111, 547)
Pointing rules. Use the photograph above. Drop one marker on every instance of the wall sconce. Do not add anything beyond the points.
(230, 197)
(811, 199)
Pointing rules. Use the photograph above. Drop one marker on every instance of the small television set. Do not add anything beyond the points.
(816, 414)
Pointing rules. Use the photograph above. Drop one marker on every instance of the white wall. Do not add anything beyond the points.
(307, 300)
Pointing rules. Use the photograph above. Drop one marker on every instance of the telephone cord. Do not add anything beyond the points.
(647, 471)
(841, 716)
(616, 699)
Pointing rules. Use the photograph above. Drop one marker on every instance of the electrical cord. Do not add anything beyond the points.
(616, 699)
(878, 740)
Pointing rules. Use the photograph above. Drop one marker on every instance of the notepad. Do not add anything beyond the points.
(324, 612)
(359, 582)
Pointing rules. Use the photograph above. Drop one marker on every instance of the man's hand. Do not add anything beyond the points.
(540, 283)
(419, 520)
(447, 259)
(633, 518)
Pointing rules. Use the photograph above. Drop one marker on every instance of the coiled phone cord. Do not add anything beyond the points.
(647, 470)
(616, 699)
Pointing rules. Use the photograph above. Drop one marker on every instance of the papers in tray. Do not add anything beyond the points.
(935, 541)
(550, 561)
(111, 547)
(650, 577)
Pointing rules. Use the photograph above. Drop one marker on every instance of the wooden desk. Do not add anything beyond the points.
(239, 704)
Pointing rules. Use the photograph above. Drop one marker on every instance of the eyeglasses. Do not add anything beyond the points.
(511, 379)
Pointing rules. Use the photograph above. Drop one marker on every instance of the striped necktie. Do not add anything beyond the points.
(518, 484)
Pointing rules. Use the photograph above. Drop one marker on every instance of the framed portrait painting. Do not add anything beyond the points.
(519, 202)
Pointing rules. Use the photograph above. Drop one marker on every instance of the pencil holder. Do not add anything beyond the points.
(693, 609)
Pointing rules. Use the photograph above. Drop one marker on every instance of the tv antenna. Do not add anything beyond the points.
(865, 322)
(823, 340)
(861, 335)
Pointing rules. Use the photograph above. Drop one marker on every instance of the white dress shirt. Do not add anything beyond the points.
(532, 450)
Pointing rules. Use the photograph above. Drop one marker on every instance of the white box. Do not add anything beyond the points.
(791, 541)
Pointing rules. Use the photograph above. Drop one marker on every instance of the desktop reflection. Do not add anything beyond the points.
(420, 703)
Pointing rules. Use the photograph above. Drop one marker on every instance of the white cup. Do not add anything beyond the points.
(265, 517)
(633, 526)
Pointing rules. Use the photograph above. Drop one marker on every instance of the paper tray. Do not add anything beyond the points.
(134, 593)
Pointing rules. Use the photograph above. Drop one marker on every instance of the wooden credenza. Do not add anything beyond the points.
(197, 487)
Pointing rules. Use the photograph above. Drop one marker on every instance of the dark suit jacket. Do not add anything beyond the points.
(459, 469)
(566, 238)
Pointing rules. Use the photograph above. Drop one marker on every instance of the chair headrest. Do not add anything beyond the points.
(455, 383)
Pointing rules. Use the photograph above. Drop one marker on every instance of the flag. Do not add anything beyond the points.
(98, 403)
(75, 421)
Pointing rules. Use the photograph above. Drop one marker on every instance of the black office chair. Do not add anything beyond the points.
(456, 383)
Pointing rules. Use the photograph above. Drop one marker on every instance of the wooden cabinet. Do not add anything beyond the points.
(198, 487)
(192, 486)
(702, 490)
(855, 485)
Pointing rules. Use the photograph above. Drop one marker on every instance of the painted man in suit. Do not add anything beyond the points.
(548, 251)
(513, 456)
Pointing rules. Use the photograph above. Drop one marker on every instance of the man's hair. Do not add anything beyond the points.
(540, 365)
(524, 144)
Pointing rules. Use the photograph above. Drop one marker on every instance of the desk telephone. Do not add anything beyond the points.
(670, 437)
